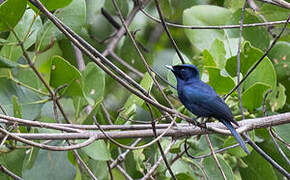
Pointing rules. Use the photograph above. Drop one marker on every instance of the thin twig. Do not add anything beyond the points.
(8, 172)
(239, 58)
(129, 147)
(212, 27)
(168, 33)
(277, 146)
(215, 157)
(153, 168)
(159, 144)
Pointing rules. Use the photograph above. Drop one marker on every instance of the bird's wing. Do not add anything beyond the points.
(210, 102)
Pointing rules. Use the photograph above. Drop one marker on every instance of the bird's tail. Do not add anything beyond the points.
(236, 135)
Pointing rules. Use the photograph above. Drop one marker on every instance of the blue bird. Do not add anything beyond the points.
(202, 100)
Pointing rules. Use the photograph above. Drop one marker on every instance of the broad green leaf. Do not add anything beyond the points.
(212, 170)
(48, 115)
(217, 50)
(94, 82)
(233, 4)
(132, 102)
(43, 61)
(264, 73)
(50, 165)
(31, 157)
(11, 12)
(283, 131)
(203, 15)
(221, 83)
(274, 13)
(167, 9)
(129, 53)
(208, 59)
(73, 15)
(257, 168)
(52, 4)
(27, 99)
(280, 57)
(13, 52)
(28, 77)
(270, 148)
(117, 174)
(122, 4)
(277, 98)
(99, 168)
(94, 112)
(13, 161)
(63, 73)
(98, 151)
(131, 164)
(252, 98)
(182, 168)
(258, 36)
(6, 63)
(139, 157)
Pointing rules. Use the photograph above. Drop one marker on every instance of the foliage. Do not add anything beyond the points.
(214, 51)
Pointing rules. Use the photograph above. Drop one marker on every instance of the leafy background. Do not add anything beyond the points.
(214, 51)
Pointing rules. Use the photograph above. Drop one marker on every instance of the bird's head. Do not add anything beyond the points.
(185, 72)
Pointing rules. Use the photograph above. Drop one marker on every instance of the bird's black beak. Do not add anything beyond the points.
(169, 67)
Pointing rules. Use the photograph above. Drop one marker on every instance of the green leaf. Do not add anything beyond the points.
(221, 83)
(258, 168)
(28, 77)
(73, 15)
(218, 51)
(27, 99)
(208, 59)
(274, 13)
(129, 53)
(52, 4)
(252, 98)
(13, 52)
(280, 57)
(43, 61)
(16, 107)
(11, 12)
(258, 36)
(277, 98)
(6, 63)
(139, 157)
(122, 4)
(98, 151)
(283, 131)
(94, 82)
(133, 101)
(264, 73)
(50, 165)
(63, 73)
(181, 167)
(212, 170)
(204, 15)
(13, 161)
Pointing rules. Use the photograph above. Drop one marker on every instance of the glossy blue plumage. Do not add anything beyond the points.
(202, 100)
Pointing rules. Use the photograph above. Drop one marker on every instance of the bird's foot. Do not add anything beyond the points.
(196, 123)
(202, 125)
